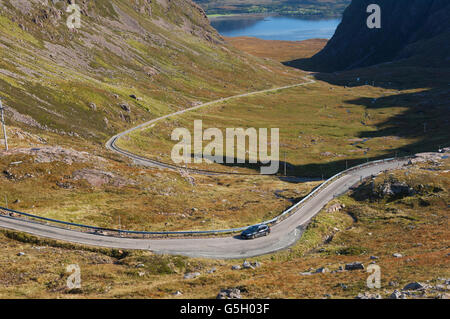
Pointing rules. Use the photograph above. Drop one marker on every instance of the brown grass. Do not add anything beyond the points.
(421, 235)
(281, 51)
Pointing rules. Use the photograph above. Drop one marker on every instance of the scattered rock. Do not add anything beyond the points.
(125, 107)
(306, 273)
(354, 266)
(390, 188)
(256, 264)
(247, 265)
(322, 270)
(335, 208)
(64, 185)
(397, 295)
(415, 286)
(393, 284)
(191, 275)
(98, 178)
(212, 270)
(367, 295)
(442, 287)
(231, 293)
(93, 106)
(56, 153)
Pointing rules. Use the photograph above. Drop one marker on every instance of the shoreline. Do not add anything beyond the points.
(216, 17)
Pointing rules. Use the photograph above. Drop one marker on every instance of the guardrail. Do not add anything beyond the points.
(10, 213)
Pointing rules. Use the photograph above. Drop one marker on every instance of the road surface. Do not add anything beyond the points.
(283, 235)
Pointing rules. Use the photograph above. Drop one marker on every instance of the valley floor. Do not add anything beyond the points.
(374, 225)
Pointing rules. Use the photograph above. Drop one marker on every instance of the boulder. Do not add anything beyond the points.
(397, 295)
(414, 286)
(191, 275)
(125, 107)
(247, 265)
(308, 273)
(231, 293)
(366, 295)
(354, 266)
(395, 189)
(256, 264)
(322, 270)
(335, 208)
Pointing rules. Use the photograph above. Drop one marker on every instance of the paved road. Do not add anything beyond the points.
(283, 235)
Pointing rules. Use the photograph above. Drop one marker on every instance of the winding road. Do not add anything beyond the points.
(111, 144)
(284, 234)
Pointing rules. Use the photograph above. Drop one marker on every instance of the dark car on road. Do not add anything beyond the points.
(255, 231)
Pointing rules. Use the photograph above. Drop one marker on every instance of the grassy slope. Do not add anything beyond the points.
(164, 53)
(169, 58)
(40, 273)
(377, 228)
(326, 126)
(143, 199)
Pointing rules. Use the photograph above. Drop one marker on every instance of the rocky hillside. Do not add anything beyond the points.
(416, 31)
(129, 61)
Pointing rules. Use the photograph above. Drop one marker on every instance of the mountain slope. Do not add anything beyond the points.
(411, 29)
(129, 62)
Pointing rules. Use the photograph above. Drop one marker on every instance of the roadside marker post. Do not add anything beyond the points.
(3, 124)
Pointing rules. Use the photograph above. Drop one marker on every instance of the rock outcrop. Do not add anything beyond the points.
(409, 29)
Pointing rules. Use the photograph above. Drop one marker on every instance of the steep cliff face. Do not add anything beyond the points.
(410, 29)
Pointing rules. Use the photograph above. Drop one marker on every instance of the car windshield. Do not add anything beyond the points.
(253, 228)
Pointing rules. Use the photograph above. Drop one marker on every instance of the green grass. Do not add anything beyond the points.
(320, 127)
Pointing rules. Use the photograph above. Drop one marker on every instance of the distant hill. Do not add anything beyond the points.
(415, 32)
(318, 8)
